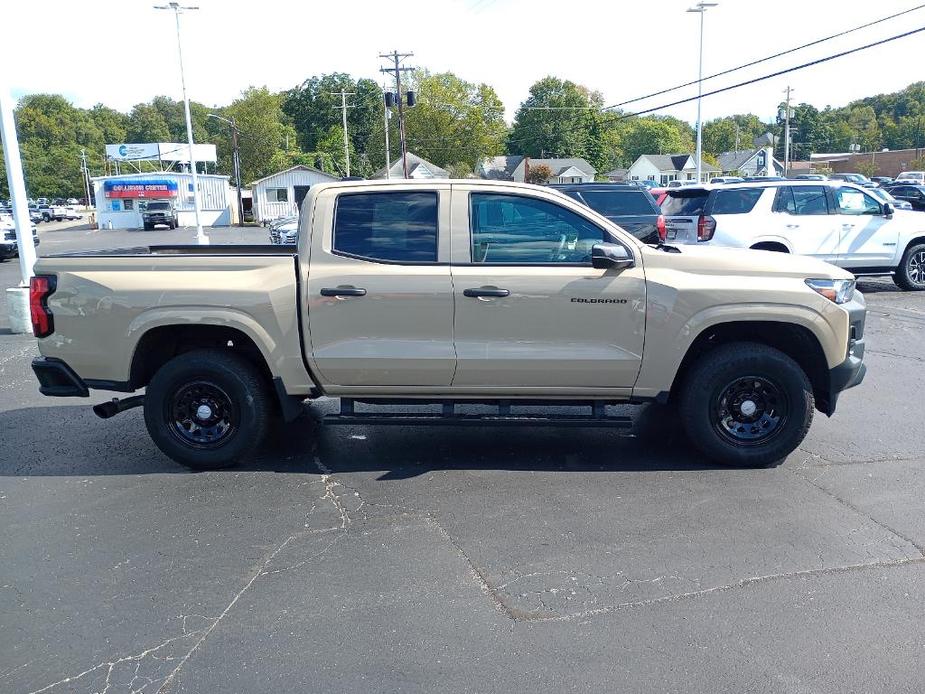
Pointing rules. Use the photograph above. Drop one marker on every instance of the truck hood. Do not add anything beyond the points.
(743, 262)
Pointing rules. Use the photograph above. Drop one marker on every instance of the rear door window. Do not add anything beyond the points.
(801, 200)
(398, 227)
(735, 200)
(684, 202)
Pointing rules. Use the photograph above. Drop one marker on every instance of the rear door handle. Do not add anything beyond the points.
(343, 291)
(479, 292)
(793, 226)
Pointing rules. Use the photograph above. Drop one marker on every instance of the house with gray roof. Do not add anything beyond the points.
(516, 168)
(758, 161)
(417, 168)
(665, 168)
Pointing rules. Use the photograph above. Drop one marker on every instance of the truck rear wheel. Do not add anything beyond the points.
(207, 409)
(746, 404)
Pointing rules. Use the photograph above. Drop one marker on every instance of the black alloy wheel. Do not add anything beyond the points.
(750, 411)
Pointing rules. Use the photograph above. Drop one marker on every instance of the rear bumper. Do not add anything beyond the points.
(58, 379)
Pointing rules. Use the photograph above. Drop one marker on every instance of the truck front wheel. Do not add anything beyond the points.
(746, 404)
(207, 409)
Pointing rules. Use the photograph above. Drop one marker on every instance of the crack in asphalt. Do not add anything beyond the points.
(813, 482)
(137, 659)
(743, 583)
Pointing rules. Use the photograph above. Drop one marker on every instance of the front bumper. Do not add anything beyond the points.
(852, 370)
(58, 379)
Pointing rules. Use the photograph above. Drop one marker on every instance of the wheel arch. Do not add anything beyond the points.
(159, 344)
(796, 341)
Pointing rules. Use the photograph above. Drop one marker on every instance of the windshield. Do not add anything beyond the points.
(159, 206)
(882, 194)
(615, 203)
(685, 202)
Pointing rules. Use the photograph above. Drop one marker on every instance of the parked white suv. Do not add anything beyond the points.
(837, 222)
(913, 177)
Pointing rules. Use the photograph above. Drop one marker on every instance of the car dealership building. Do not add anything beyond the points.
(121, 199)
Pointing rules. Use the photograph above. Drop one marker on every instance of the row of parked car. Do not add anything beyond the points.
(862, 229)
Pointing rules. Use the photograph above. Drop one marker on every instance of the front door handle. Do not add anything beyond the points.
(793, 226)
(479, 292)
(343, 291)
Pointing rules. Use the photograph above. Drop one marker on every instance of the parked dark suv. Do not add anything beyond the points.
(159, 212)
(629, 206)
(913, 194)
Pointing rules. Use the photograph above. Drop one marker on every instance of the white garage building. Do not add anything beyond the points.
(121, 200)
(281, 194)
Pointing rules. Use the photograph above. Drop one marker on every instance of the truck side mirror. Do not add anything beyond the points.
(611, 255)
(888, 210)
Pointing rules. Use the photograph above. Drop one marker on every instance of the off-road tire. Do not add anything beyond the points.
(703, 401)
(912, 265)
(230, 384)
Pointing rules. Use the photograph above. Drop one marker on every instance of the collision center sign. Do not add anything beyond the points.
(147, 188)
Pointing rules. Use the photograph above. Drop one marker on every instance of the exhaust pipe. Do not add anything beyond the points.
(105, 410)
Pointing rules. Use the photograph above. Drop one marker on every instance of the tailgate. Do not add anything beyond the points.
(682, 208)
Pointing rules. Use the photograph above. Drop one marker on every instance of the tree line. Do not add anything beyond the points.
(454, 124)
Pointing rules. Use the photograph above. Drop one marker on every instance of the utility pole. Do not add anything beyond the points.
(396, 69)
(201, 237)
(388, 155)
(343, 111)
(787, 133)
(701, 9)
(86, 173)
(235, 161)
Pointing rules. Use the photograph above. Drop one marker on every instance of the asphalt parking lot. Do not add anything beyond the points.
(460, 560)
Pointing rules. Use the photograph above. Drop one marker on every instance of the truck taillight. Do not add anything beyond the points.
(706, 226)
(662, 229)
(40, 288)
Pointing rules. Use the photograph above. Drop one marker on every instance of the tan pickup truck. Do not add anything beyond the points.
(447, 293)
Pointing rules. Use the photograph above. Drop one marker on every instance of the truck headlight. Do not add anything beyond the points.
(837, 291)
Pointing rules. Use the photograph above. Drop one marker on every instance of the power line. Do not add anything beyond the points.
(774, 74)
(770, 57)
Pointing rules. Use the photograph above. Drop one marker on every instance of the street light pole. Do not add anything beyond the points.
(235, 161)
(201, 237)
(701, 9)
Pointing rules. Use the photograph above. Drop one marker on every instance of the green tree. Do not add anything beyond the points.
(652, 136)
(263, 129)
(314, 110)
(730, 133)
(553, 121)
(146, 124)
(454, 121)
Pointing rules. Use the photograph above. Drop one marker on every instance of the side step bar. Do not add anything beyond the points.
(503, 417)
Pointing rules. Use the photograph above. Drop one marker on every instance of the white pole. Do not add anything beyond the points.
(699, 154)
(201, 237)
(17, 185)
